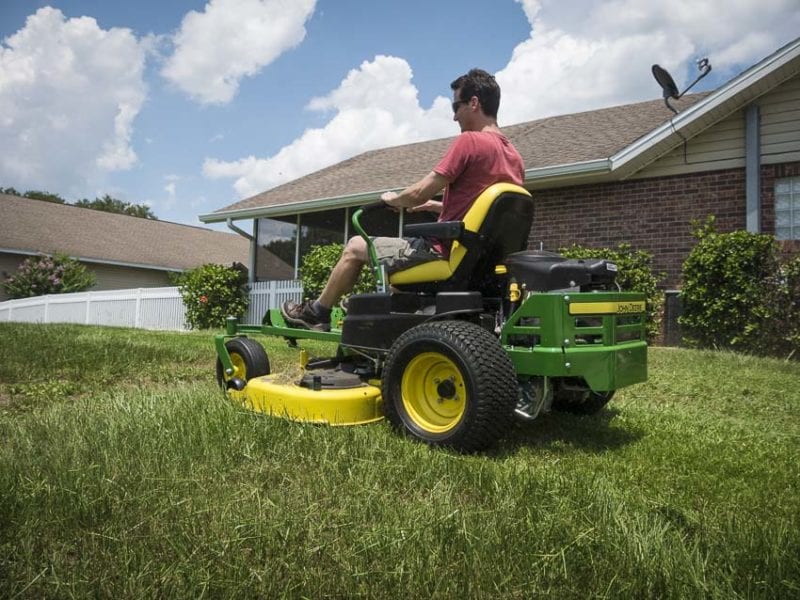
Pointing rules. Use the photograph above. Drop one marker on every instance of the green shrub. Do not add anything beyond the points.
(737, 294)
(779, 331)
(317, 265)
(635, 274)
(212, 293)
(40, 275)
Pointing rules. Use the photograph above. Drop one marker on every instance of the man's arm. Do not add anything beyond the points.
(417, 193)
(434, 206)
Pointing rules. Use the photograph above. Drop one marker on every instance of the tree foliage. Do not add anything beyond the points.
(738, 294)
(212, 293)
(112, 205)
(40, 275)
(317, 265)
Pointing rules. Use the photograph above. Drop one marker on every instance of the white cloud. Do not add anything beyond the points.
(232, 39)
(69, 93)
(600, 52)
(375, 106)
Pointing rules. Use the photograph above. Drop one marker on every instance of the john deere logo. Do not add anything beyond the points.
(630, 307)
(606, 308)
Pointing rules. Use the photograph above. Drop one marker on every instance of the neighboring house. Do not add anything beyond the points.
(122, 251)
(634, 173)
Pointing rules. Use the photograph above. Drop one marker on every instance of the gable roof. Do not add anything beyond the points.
(33, 226)
(605, 144)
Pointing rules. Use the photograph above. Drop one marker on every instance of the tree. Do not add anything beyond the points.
(45, 196)
(112, 205)
(34, 195)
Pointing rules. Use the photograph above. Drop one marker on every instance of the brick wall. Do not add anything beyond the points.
(651, 214)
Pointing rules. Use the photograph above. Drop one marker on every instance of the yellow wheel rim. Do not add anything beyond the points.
(239, 368)
(433, 392)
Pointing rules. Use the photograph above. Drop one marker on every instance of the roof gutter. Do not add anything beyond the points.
(292, 208)
(577, 169)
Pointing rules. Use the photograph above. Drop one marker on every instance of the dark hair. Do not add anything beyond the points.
(481, 84)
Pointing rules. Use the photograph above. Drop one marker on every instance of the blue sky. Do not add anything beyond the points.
(189, 106)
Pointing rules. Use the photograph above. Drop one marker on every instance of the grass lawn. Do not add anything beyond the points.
(125, 473)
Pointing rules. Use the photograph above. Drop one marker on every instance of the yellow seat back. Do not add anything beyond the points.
(440, 270)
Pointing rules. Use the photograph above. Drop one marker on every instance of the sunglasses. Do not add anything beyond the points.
(458, 103)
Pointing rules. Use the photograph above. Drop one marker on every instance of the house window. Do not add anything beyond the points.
(276, 244)
(787, 208)
(279, 253)
(321, 229)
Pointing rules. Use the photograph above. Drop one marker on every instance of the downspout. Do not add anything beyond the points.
(251, 268)
(752, 170)
(297, 248)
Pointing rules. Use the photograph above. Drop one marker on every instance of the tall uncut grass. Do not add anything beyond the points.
(125, 473)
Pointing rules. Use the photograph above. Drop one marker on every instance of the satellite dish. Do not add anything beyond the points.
(666, 82)
(668, 86)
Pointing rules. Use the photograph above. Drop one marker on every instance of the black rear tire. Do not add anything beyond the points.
(449, 383)
(249, 361)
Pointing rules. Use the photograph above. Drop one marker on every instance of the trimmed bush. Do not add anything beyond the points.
(317, 265)
(737, 295)
(635, 274)
(40, 275)
(212, 293)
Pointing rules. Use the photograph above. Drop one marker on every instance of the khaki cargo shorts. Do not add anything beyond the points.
(401, 253)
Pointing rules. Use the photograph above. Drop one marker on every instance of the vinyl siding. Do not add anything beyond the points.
(722, 146)
(113, 277)
(719, 147)
(780, 124)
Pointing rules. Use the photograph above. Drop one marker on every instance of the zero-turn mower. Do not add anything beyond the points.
(449, 351)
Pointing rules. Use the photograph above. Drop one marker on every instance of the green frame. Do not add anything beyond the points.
(608, 351)
(541, 337)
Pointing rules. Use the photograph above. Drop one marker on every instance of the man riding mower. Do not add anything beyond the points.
(461, 344)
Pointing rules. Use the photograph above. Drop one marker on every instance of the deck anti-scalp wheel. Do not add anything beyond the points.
(449, 383)
(248, 358)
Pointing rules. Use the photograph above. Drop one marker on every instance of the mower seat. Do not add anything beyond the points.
(496, 225)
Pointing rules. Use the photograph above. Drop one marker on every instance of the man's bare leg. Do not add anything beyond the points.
(345, 274)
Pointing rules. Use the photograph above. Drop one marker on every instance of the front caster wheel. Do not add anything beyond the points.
(249, 361)
(449, 383)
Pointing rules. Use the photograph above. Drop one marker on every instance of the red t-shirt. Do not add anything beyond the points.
(474, 161)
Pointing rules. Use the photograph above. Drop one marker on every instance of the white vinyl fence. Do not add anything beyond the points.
(144, 308)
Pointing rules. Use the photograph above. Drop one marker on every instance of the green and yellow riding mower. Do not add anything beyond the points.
(461, 345)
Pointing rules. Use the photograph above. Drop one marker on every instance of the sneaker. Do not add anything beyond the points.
(304, 316)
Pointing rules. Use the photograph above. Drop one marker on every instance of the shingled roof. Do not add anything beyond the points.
(34, 226)
(565, 139)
